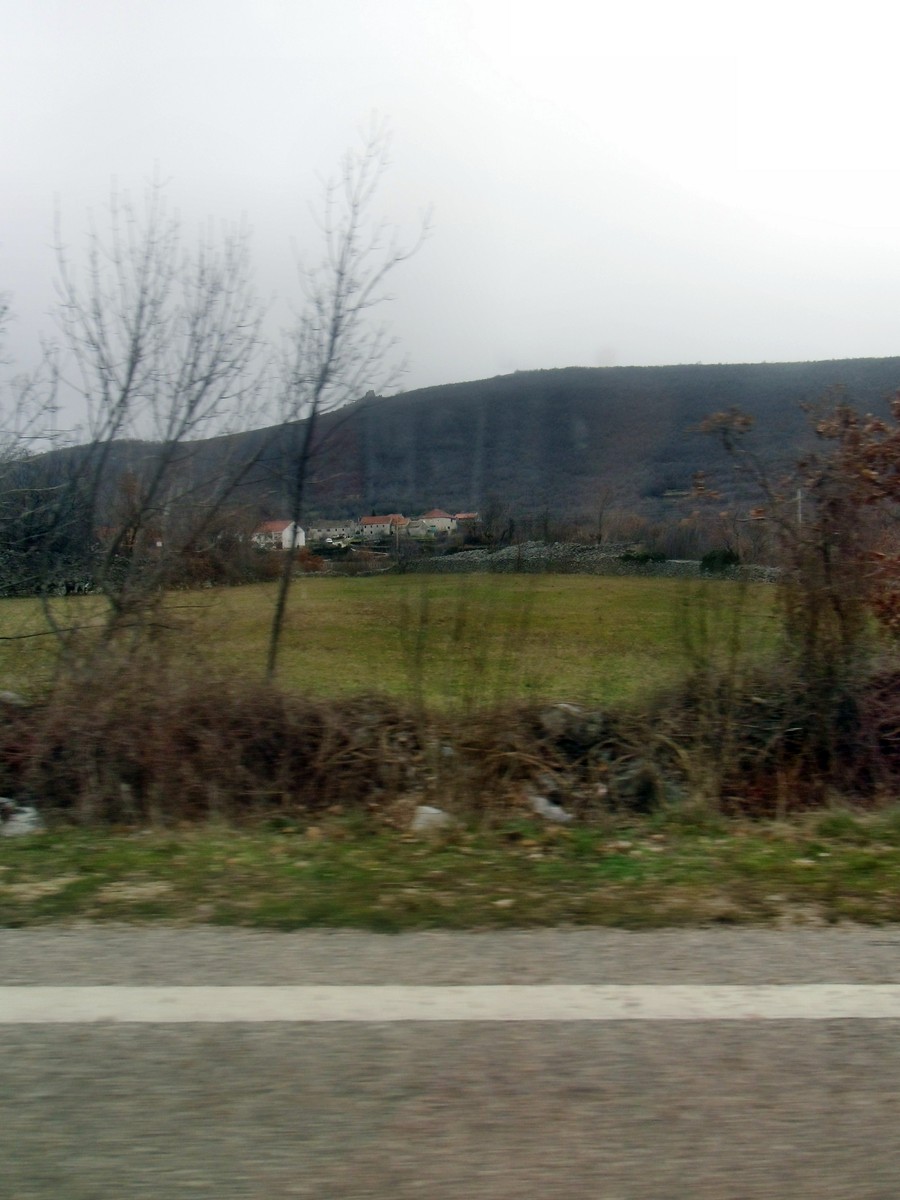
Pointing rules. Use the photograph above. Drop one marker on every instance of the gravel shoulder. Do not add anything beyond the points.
(97, 955)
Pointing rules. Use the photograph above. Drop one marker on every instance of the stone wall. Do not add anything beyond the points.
(567, 558)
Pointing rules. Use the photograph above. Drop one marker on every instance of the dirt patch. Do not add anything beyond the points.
(39, 889)
(133, 890)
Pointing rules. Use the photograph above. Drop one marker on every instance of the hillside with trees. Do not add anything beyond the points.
(550, 453)
(564, 441)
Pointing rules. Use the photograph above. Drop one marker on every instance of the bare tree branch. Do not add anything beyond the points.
(334, 352)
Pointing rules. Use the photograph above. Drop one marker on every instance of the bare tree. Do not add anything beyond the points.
(335, 353)
(162, 343)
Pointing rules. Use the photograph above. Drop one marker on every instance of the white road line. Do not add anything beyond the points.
(558, 1002)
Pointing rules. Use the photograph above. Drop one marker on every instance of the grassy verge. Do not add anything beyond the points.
(349, 871)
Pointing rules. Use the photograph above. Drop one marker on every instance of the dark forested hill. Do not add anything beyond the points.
(556, 440)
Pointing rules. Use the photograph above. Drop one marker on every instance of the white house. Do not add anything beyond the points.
(438, 521)
(278, 535)
(331, 530)
(383, 526)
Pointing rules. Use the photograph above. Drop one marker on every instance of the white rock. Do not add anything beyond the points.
(427, 819)
(21, 821)
(545, 808)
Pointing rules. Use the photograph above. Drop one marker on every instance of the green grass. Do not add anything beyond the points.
(348, 872)
(443, 640)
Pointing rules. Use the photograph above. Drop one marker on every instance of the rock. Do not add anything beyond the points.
(13, 700)
(427, 819)
(558, 720)
(545, 808)
(18, 820)
(572, 728)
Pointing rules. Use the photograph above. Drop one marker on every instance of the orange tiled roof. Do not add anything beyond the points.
(393, 518)
(272, 527)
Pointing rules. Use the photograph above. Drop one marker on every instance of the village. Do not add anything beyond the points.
(435, 524)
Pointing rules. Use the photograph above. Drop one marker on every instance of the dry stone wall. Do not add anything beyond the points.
(568, 558)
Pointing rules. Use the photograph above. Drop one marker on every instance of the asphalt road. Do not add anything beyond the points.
(613, 1110)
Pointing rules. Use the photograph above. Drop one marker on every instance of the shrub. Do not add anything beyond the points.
(816, 723)
(715, 561)
(142, 743)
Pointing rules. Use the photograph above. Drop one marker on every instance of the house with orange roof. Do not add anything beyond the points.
(383, 526)
(438, 521)
(278, 535)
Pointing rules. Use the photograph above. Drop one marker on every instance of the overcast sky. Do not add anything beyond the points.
(612, 183)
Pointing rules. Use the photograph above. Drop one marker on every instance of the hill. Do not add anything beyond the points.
(557, 440)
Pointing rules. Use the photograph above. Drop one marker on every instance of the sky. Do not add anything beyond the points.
(638, 182)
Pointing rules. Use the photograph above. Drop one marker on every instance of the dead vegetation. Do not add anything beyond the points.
(139, 743)
(142, 744)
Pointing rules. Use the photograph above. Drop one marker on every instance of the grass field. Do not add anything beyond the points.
(444, 641)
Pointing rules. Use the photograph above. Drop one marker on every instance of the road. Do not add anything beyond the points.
(649, 1109)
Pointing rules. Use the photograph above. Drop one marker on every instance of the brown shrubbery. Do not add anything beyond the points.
(826, 720)
(768, 747)
(146, 746)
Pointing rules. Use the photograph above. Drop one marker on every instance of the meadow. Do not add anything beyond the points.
(439, 641)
